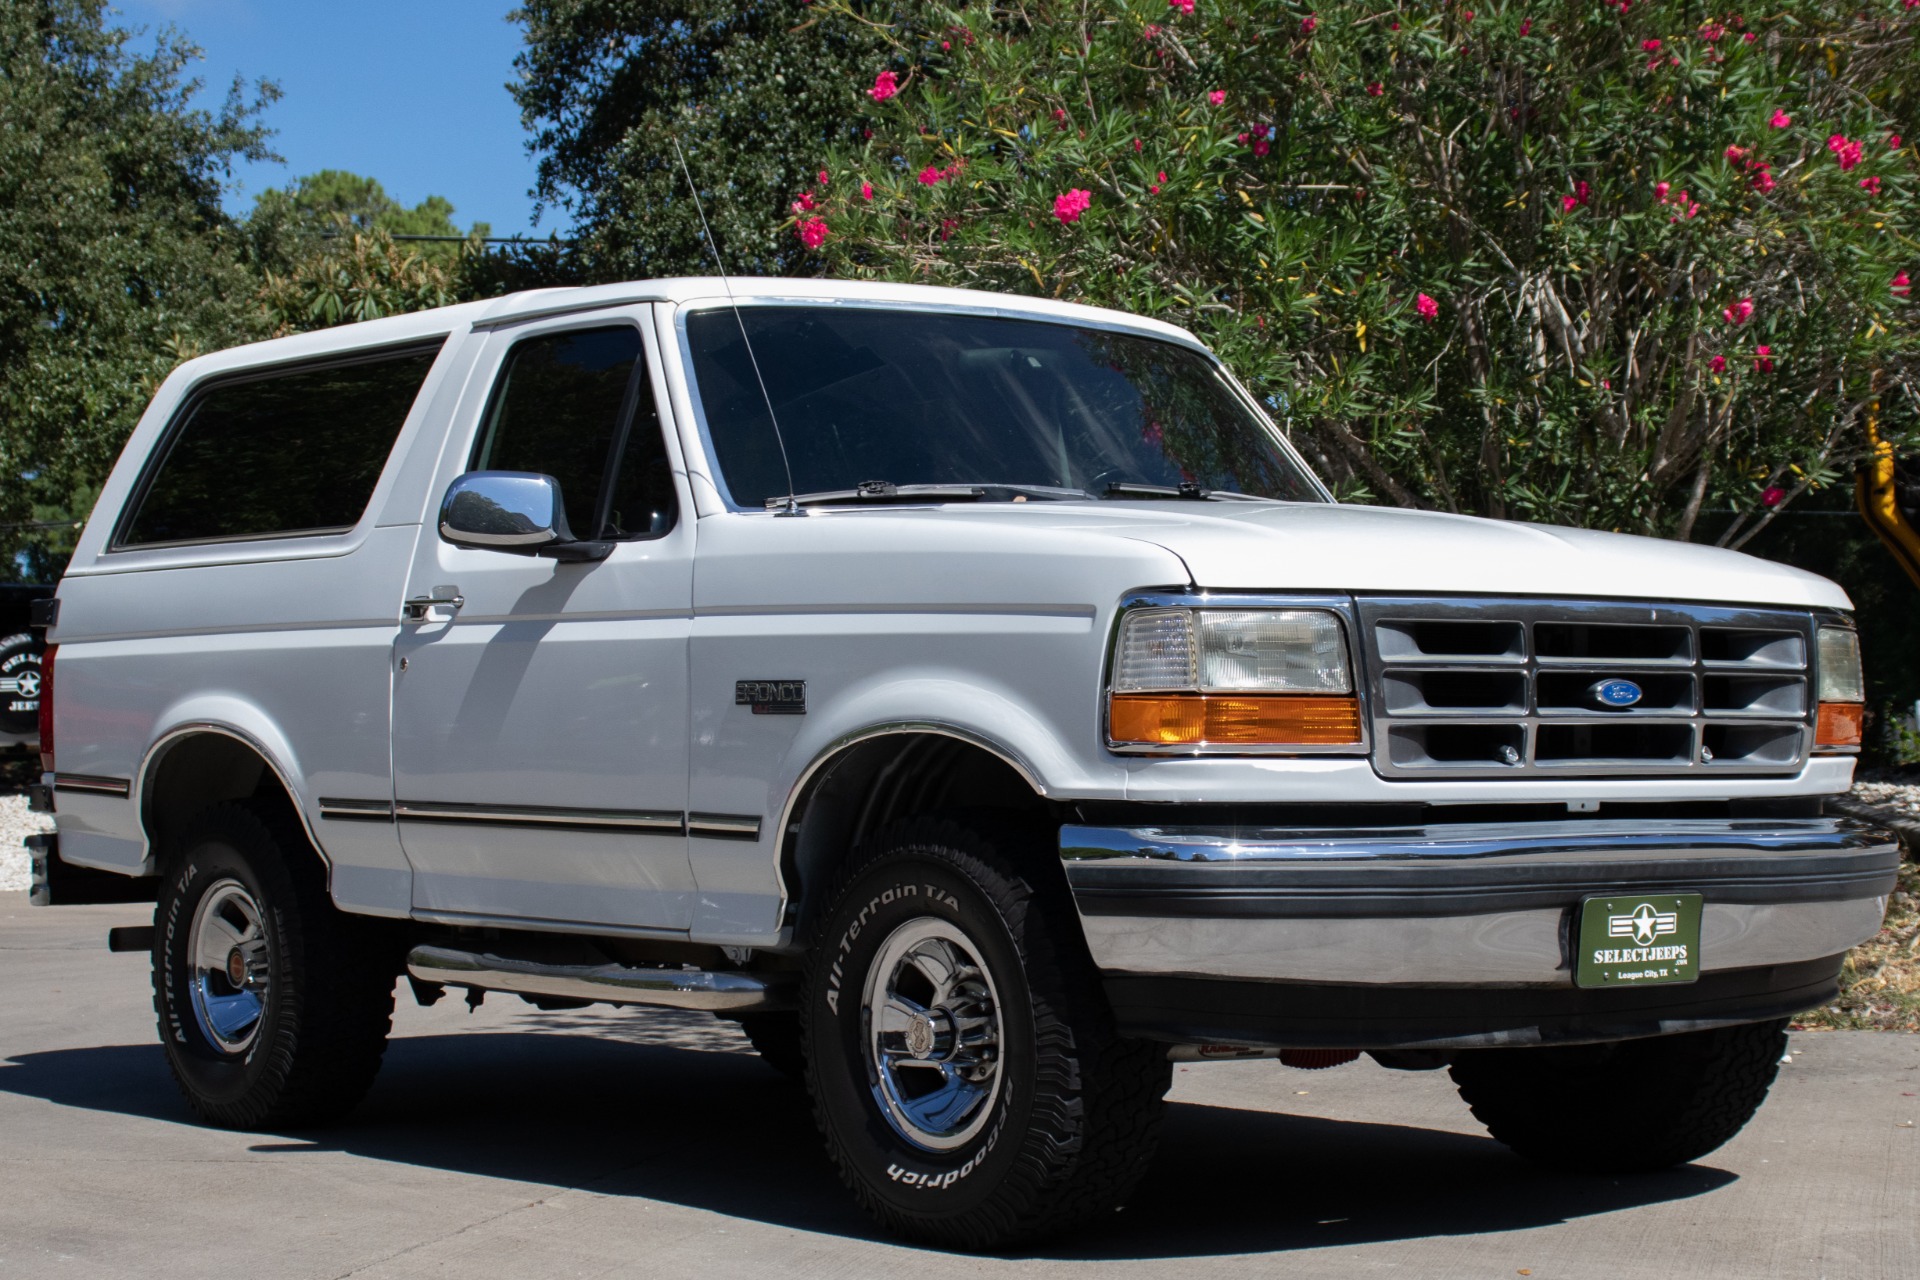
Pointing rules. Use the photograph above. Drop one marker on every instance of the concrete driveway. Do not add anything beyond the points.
(510, 1142)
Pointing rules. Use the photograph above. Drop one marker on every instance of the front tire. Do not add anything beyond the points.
(273, 1006)
(1629, 1107)
(960, 1053)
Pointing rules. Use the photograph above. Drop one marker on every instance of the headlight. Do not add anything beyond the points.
(1842, 689)
(1255, 677)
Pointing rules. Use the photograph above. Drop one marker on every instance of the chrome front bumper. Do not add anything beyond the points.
(1461, 905)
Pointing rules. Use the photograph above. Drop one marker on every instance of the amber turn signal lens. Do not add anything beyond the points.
(1187, 719)
(1840, 724)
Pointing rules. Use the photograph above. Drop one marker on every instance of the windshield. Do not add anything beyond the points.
(929, 398)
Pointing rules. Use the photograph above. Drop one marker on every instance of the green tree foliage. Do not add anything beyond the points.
(331, 248)
(1612, 264)
(292, 222)
(754, 89)
(115, 259)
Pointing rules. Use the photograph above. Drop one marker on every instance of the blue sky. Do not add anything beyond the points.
(412, 92)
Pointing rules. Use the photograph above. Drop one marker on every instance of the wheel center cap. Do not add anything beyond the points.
(920, 1036)
(237, 968)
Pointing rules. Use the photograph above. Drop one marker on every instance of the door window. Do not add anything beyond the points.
(578, 406)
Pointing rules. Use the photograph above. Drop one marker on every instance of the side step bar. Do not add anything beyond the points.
(700, 989)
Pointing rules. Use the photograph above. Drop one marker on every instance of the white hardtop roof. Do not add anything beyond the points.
(535, 303)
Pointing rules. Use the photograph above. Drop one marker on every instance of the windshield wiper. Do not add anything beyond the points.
(1128, 489)
(879, 491)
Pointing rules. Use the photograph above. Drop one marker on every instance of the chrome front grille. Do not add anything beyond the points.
(1510, 688)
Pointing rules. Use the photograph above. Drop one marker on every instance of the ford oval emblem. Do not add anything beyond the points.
(1617, 694)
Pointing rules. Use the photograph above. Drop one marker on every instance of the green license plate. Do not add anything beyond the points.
(1638, 940)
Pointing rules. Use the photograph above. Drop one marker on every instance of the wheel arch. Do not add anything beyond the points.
(196, 765)
(872, 778)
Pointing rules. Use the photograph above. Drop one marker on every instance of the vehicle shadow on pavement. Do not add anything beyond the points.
(721, 1131)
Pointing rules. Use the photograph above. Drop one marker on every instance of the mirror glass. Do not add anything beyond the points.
(506, 510)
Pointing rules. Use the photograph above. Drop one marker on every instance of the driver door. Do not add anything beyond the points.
(540, 706)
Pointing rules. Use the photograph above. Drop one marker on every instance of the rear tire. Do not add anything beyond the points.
(273, 1006)
(961, 1055)
(20, 684)
(1630, 1107)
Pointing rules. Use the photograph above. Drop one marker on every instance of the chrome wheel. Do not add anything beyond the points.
(229, 979)
(931, 1023)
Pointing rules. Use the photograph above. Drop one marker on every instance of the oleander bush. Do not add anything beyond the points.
(1604, 263)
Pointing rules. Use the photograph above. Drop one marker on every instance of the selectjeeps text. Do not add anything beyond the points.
(974, 697)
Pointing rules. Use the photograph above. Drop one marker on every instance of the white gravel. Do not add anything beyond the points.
(1894, 795)
(16, 824)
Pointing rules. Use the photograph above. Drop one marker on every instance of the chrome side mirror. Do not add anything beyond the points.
(518, 511)
(504, 511)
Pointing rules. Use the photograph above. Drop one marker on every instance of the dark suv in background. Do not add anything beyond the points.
(20, 651)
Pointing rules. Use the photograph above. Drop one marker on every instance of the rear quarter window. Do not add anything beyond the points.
(290, 452)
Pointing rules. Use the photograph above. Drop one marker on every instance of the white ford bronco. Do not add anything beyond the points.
(974, 697)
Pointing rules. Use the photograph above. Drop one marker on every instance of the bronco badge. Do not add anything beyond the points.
(772, 697)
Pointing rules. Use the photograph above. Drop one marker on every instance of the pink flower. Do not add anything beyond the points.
(1736, 153)
(930, 177)
(1712, 31)
(1184, 6)
(1748, 38)
(948, 226)
(1161, 177)
(1651, 46)
(1901, 285)
(1308, 23)
(804, 203)
(1466, 15)
(885, 85)
(1871, 185)
(1261, 147)
(1376, 89)
(1427, 307)
(1763, 363)
(1526, 26)
(1151, 31)
(823, 177)
(1582, 193)
(1069, 206)
(1718, 364)
(1772, 495)
(1893, 142)
(1763, 182)
(1217, 96)
(1847, 152)
(1136, 146)
(1242, 139)
(1660, 190)
(1739, 313)
(945, 45)
(812, 232)
(866, 191)
(1262, 130)
(1781, 119)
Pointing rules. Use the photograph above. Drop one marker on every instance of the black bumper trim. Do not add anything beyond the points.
(1309, 892)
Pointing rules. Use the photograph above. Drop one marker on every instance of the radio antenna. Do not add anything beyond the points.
(792, 507)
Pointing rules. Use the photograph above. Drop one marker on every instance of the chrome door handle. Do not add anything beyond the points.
(420, 608)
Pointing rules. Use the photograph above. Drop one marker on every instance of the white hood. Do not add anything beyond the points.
(1296, 546)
